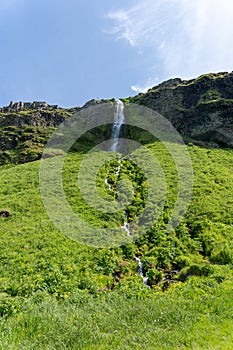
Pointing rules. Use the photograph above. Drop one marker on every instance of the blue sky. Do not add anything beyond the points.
(67, 52)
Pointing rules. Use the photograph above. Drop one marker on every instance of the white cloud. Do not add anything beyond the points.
(144, 87)
(131, 24)
(124, 28)
(137, 88)
(184, 38)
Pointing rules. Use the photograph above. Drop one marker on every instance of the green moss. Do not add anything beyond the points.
(214, 100)
(207, 76)
(209, 96)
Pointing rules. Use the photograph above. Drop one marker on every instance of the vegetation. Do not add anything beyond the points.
(196, 315)
(24, 144)
(206, 77)
(60, 294)
(24, 133)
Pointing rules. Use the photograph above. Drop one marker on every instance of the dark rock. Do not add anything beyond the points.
(5, 213)
(200, 108)
(38, 118)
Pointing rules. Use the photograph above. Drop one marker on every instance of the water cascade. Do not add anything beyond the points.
(140, 270)
(119, 119)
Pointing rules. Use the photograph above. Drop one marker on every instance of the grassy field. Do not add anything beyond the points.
(56, 293)
(193, 316)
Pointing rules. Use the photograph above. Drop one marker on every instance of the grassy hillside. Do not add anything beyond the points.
(56, 293)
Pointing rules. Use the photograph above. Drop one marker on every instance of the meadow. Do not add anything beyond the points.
(57, 293)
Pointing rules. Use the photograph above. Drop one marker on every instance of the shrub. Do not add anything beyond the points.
(154, 276)
(224, 256)
(195, 270)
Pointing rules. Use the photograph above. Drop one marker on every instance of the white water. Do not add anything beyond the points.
(140, 270)
(119, 119)
(117, 173)
(126, 228)
(109, 186)
(126, 225)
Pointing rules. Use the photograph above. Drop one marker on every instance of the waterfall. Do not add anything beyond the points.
(140, 271)
(119, 119)
(126, 228)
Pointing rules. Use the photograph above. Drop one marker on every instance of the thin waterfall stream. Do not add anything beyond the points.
(119, 120)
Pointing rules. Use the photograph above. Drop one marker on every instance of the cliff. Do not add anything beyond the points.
(25, 128)
(200, 108)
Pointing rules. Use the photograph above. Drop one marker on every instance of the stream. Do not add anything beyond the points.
(119, 120)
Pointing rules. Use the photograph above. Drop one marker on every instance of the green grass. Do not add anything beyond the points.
(198, 315)
(55, 293)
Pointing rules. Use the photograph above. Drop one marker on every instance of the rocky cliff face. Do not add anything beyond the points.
(35, 119)
(201, 108)
(24, 131)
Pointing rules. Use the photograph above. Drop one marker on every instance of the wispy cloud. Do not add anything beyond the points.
(144, 87)
(124, 28)
(184, 38)
(135, 25)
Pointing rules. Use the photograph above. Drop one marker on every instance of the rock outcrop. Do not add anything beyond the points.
(35, 118)
(5, 213)
(200, 108)
(22, 106)
(25, 129)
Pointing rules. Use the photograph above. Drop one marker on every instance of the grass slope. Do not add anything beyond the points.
(56, 293)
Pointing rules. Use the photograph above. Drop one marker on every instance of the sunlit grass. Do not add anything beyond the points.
(55, 292)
